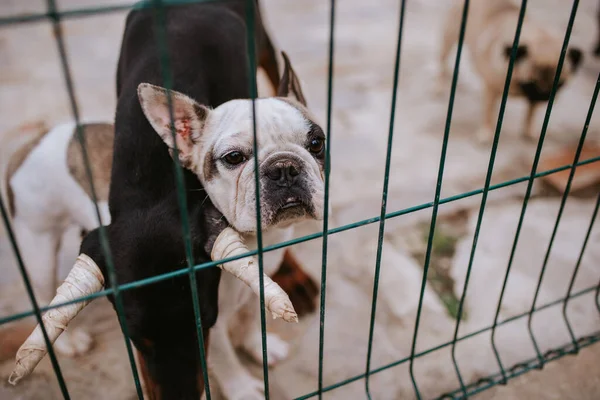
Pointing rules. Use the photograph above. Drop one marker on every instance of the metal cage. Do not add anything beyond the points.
(466, 388)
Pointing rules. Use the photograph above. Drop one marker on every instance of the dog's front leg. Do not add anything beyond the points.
(233, 378)
(485, 134)
(39, 250)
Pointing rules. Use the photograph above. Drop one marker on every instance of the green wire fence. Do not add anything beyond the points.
(466, 389)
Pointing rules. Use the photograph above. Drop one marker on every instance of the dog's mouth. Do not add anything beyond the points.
(535, 93)
(291, 203)
(291, 209)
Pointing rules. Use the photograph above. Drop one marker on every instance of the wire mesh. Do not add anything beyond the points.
(466, 389)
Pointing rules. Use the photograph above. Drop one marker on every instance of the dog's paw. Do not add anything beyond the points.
(277, 349)
(73, 342)
(244, 387)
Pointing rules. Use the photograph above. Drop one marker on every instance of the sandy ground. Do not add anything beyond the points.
(32, 88)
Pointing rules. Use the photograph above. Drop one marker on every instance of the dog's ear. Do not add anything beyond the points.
(576, 57)
(290, 84)
(188, 118)
(521, 52)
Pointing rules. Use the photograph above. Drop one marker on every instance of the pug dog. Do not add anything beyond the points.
(489, 37)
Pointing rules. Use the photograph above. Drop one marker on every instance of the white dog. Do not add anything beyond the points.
(45, 188)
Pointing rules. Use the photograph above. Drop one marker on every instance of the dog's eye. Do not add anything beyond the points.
(316, 145)
(234, 158)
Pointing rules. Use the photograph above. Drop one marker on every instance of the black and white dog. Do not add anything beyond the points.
(208, 53)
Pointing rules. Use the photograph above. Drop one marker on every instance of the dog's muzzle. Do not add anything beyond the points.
(540, 88)
(286, 187)
(534, 93)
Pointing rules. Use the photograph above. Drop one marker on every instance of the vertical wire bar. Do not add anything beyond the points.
(598, 297)
(438, 189)
(250, 4)
(56, 26)
(583, 247)
(326, 199)
(166, 71)
(384, 196)
(530, 185)
(564, 199)
(38, 315)
(486, 188)
(562, 204)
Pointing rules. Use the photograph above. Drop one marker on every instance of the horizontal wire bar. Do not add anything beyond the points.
(183, 271)
(446, 344)
(90, 11)
(529, 365)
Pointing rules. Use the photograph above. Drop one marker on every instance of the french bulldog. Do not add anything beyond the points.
(212, 120)
(216, 145)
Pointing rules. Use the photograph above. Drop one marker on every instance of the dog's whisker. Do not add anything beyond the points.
(204, 201)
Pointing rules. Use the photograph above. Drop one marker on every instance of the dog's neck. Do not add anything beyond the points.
(271, 236)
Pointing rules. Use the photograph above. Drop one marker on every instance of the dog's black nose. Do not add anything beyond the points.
(284, 173)
(546, 77)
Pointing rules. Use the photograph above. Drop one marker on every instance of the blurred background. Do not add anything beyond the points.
(32, 89)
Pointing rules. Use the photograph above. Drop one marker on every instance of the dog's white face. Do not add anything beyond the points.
(535, 62)
(217, 145)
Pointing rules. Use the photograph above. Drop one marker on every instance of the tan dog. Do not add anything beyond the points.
(489, 37)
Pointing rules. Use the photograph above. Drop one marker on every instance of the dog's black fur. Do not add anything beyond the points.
(209, 61)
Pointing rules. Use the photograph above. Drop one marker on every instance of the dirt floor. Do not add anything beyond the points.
(32, 88)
